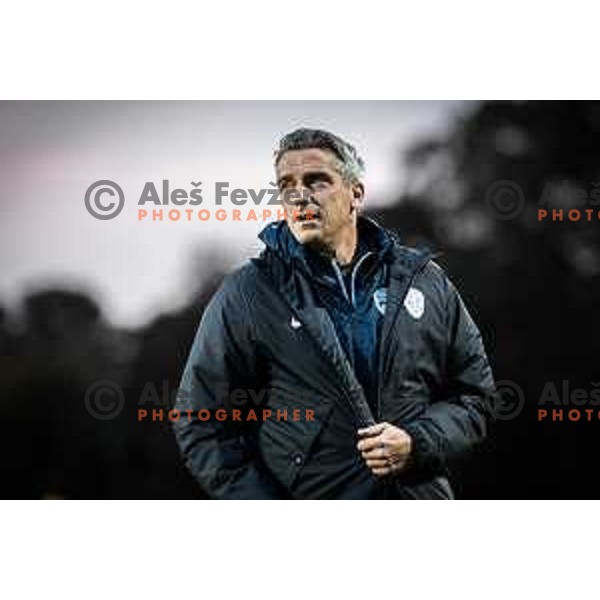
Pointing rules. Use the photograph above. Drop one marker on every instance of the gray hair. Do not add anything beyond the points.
(350, 165)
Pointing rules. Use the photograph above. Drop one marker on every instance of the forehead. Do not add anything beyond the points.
(304, 160)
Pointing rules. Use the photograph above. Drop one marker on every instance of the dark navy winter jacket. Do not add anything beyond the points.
(389, 339)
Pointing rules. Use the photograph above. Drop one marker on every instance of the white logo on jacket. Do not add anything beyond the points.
(295, 323)
(414, 302)
(380, 299)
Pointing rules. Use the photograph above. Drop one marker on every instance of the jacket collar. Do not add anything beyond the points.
(285, 259)
(278, 238)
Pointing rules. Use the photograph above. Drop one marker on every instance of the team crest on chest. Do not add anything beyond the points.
(380, 299)
(414, 302)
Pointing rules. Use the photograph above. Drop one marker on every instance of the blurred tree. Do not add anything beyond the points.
(51, 443)
(531, 285)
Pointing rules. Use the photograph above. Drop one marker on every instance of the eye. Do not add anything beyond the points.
(319, 184)
(317, 181)
(284, 184)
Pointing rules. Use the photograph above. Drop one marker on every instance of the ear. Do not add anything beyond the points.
(358, 195)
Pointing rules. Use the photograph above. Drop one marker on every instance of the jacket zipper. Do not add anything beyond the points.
(338, 275)
(363, 420)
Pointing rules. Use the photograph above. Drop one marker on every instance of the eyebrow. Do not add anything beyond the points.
(316, 174)
(307, 175)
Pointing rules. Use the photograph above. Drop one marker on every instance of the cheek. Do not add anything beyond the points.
(291, 212)
(329, 199)
(338, 208)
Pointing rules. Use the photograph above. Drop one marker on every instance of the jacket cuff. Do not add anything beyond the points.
(426, 458)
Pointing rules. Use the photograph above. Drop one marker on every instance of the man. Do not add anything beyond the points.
(365, 339)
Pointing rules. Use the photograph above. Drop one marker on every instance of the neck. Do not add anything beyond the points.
(345, 246)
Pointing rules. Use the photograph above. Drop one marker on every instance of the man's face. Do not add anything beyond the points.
(318, 202)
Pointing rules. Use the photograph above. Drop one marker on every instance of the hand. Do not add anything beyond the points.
(385, 448)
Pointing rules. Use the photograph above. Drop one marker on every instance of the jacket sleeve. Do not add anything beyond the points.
(458, 420)
(223, 358)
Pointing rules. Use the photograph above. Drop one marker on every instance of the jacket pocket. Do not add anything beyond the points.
(285, 444)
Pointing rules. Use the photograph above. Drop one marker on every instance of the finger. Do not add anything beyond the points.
(368, 444)
(372, 430)
(377, 463)
(381, 472)
(377, 453)
(378, 459)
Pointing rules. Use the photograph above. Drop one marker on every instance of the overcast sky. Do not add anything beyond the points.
(51, 152)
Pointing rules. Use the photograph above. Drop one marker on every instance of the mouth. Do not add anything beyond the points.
(309, 215)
